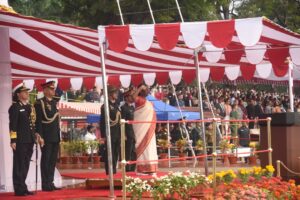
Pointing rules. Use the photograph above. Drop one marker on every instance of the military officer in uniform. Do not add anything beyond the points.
(115, 131)
(127, 111)
(48, 128)
(21, 125)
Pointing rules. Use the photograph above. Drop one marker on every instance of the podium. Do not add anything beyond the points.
(285, 137)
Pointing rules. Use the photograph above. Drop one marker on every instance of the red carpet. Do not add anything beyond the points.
(104, 176)
(62, 194)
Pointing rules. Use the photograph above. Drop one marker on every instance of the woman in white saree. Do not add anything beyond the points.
(145, 132)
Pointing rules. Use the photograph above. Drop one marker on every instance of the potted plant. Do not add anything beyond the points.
(163, 146)
(94, 145)
(181, 146)
(83, 148)
(75, 148)
(199, 149)
(233, 156)
(224, 146)
(225, 149)
(64, 159)
(253, 156)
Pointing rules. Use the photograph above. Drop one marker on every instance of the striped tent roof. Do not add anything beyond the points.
(249, 48)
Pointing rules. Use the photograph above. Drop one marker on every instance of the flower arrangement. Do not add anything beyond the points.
(181, 145)
(174, 185)
(224, 145)
(164, 144)
(244, 174)
(231, 185)
(224, 176)
(243, 192)
(137, 187)
(232, 147)
(254, 146)
(269, 171)
(199, 145)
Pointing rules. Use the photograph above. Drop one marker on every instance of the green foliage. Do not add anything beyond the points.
(284, 12)
(75, 148)
(91, 13)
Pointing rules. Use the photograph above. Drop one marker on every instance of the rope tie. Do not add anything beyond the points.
(289, 170)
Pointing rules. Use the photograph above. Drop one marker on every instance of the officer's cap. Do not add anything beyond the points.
(49, 84)
(21, 89)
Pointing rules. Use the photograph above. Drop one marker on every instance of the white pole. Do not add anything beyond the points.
(120, 11)
(169, 151)
(107, 123)
(291, 85)
(6, 163)
(196, 60)
(152, 16)
(179, 10)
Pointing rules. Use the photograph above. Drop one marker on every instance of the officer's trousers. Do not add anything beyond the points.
(21, 162)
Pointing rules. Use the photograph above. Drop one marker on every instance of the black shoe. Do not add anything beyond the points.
(20, 194)
(30, 193)
(55, 188)
(47, 189)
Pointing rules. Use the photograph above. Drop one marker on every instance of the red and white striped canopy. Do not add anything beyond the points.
(248, 48)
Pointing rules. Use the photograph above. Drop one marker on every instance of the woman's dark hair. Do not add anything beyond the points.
(143, 93)
(89, 128)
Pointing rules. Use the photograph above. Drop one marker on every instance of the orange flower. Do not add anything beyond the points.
(277, 194)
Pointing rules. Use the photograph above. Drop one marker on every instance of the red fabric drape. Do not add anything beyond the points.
(220, 32)
(217, 73)
(234, 53)
(280, 70)
(188, 76)
(137, 79)
(117, 37)
(38, 83)
(114, 80)
(162, 77)
(247, 71)
(167, 35)
(89, 82)
(64, 83)
(16, 83)
(277, 55)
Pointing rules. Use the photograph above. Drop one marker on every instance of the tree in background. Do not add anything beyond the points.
(91, 13)
(284, 12)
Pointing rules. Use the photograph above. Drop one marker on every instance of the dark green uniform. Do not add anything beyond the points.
(115, 132)
(47, 125)
(127, 112)
(22, 133)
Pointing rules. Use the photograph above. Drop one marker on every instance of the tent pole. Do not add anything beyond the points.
(107, 123)
(151, 12)
(179, 10)
(196, 61)
(291, 85)
(120, 11)
(185, 129)
(169, 150)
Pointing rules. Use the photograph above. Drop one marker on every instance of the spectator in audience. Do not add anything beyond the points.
(269, 107)
(277, 107)
(90, 136)
(251, 112)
